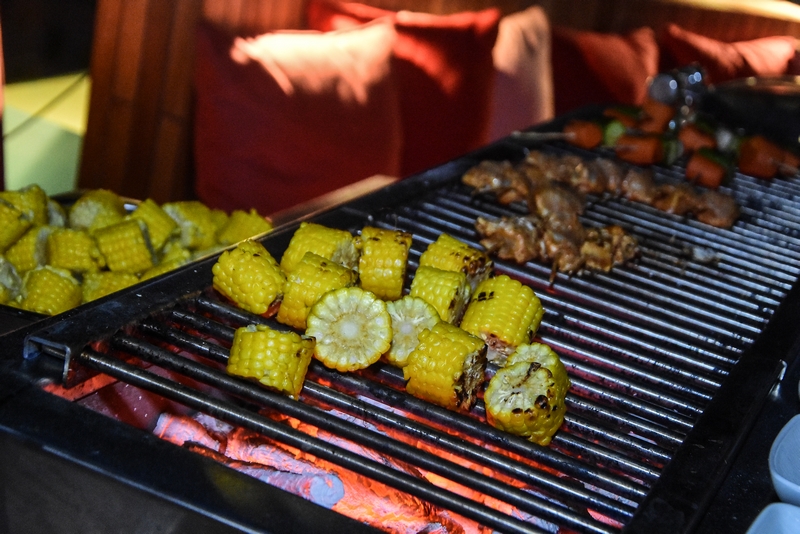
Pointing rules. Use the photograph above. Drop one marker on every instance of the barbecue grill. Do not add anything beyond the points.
(671, 358)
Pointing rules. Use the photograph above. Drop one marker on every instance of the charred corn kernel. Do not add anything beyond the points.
(30, 250)
(56, 214)
(450, 254)
(196, 223)
(31, 200)
(331, 243)
(160, 226)
(447, 291)
(382, 262)
(249, 276)
(10, 281)
(174, 250)
(241, 225)
(161, 268)
(504, 313)
(102, 283)
(279, 360)
(73, 250)
(526, 396)
(13, 224)
(447, 367)
(125, 246)
(410, 316)
(352, 328)
(49, 291)
(311, 278)
(95, 209)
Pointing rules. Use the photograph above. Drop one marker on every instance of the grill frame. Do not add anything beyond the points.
(706, 451)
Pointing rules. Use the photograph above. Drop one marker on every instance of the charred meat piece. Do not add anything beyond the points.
(498, 177)
(680, 199)
(513, 238)
(638, 186)
(608, 247)
(717, 209)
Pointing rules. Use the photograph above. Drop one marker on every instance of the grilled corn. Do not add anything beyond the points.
(278, 360)
(504, 313)
(311, 278)
(161, 268)
(249, 276)
(446, 291)
(240, 225)
(410, 316)
(13, 224)
(198, 229)
(49, 291)
(160, 226)
(331, 243)
(450, 254)
(74, 250)
(30, 250)
(95, 209)
(526, 396)
(30, 200)
(447, 367)
(100, 284)
(382, 262)
(10, 281)
(125, 246)
(352, 328)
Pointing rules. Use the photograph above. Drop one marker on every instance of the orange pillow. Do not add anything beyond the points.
(766, 56)
(287, 116)
(444, 75)
(602, 68)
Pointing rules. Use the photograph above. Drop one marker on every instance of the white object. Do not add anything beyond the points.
(784, 462)
(777, 518)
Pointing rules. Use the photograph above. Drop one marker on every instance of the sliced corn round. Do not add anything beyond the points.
(30, 250)
(30, 200)
(410, 316)
(125, 246)
(99, 284)
(352, 327)
(10, 281)
(160, 226)
(49, 291)
(95, 209)
(13, 225)
(74, 250)
(240, 225)
(331, 243)
(450, 254)
(383, 260)
(249, 276)
(447, 291)
(197, 224)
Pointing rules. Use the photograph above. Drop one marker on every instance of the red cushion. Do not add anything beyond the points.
(767, 56)
(444, 76)
(286, 116)
(602, 68)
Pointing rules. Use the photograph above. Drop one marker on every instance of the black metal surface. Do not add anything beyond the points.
(670, 359)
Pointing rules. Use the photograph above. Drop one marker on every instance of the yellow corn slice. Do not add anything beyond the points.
(56, 214)
(250, 277)
(450, 254)
(174, 250)
(504, 313)
(352, 328)
(219, 218)
(30, 200)
(447, 291)
(311, 278)
(100, 284)
(410, 316)
(125, 246)
(13, 224)
(30, 250)
(197, 227)
(447, 367)
(279, 360)
(160, 226)
(241, 225)
(383, 260)
(526, 396)
(161, 268)
(10, 281)
(95, 209)
(49, 291)
(331, 243)
(74, 250)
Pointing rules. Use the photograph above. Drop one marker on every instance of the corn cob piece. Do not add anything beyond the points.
(160, 226)
(30, 200)
(331, 243)
(311, 278)
(161, 268)
(73, 250)
(13, 224)
(219, 218)
(56, 214)
(447, 368)
(197, 227)
(99, 284)
(410, 316)
(249, 276)
(526, 396)
(278, 360)
(10, 281)
(49, 291)
(450, 254)
(241, 225)
(447, 291)
(125, 246)
(95, 209)
(352, 328)
(383, 260)
(504, 313)
(30, 250)
(174, 250)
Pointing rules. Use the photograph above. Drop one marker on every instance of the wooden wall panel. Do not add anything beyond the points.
(139, 131)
